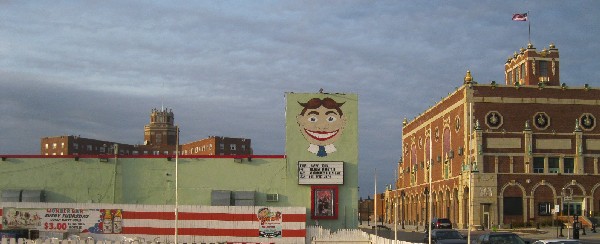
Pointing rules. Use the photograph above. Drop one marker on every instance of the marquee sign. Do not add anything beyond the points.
(319, 173)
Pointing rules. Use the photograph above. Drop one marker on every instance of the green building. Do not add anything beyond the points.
(319, 171)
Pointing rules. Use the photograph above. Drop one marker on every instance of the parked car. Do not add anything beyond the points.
(445, 236)
(500, 238)
(441, 223)
(557, 241)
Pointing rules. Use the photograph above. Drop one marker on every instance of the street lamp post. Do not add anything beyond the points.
(567, 199)
(402, 210)
(368, 211)
(426, 192)
(395, 217)
(383, 210)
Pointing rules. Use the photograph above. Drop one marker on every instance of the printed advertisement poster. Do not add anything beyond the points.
(270, 223)
(324, 202)
(62, 219)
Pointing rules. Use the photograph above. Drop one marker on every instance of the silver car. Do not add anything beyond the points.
(557, 241)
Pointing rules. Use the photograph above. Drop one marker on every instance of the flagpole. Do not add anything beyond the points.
(177, 186)
(529, 25)
(375, 202)
(430, 189)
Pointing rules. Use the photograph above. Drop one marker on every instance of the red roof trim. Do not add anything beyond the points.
(142, 156)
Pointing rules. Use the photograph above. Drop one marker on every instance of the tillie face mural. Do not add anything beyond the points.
(321, 122)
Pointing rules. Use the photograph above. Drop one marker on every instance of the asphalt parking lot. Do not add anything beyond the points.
(412, 233)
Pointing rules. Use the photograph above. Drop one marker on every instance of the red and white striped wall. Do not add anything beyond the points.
(195, 224)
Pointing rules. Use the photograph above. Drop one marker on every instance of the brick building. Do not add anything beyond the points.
(499, 154)
(218, 145)
(160, 138)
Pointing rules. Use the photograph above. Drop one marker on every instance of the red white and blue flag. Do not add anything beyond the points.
(520, 17)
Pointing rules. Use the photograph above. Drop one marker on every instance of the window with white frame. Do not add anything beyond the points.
(553, 165)
(545, 208)
(568, 165)
(538, 165)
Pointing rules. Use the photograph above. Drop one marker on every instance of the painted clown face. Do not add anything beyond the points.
(321, 121)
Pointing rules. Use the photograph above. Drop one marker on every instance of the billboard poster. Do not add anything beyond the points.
(324, 202)
(322, 126)
(270, 223)
(102, 221)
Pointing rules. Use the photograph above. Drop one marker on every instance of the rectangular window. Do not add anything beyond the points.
(46, 145)
(243, 147)
(221, 146)
(544, 208)
(510, 78)
(158, 138)
(54, 145)
(538, 165)
(75, 146)
(102, 149)
(62, 145)
(553, 165)
(232, 147)
(543, 68)
(569, 165)
(89, 147)
(522, 71)
(446, 170)
(513, 205)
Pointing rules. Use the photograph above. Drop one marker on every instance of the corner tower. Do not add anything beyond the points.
(161, 131)
(529, 67)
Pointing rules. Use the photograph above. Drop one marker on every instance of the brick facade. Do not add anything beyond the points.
(514, 149)
(160, 138)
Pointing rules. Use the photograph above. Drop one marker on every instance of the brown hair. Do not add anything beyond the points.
(325, 102)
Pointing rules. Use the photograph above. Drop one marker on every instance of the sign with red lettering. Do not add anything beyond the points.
(63, 219)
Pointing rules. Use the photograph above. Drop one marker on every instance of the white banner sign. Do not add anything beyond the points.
(320, 173)
(63, 219)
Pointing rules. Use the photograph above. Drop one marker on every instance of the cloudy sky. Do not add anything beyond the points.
(97, 68)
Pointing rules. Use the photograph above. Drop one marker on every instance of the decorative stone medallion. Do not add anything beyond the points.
(457, 123)
(541, 121)
(493, 120)
(587, 121)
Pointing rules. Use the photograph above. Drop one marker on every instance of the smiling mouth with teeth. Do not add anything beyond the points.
(321, 135)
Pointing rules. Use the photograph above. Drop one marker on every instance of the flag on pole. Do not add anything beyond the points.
(520, 17)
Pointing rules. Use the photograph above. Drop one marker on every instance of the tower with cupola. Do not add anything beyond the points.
(161, 131)
(530, 67)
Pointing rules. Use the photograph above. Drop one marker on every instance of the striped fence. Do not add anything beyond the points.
(86, 223)
(319, 235)
(156, 223)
